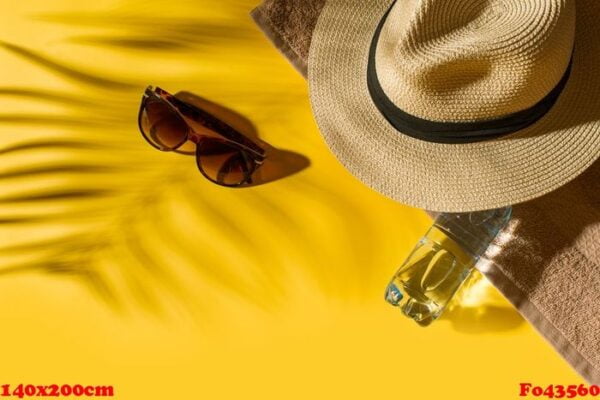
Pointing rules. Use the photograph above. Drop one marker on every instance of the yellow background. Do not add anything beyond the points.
(122, 266)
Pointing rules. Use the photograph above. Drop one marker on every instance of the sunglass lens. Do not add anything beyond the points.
(162, 126)
(222, 162)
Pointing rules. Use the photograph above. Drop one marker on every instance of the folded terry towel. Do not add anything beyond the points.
(546, 262)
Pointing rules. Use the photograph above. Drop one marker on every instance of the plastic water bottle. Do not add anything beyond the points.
(442, 261)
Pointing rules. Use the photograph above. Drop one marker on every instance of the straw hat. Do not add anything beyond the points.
(459, 105)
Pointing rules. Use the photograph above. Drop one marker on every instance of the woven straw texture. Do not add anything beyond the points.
(452, 71)
(473, 60)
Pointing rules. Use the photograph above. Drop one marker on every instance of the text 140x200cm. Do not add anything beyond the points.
(23, 390)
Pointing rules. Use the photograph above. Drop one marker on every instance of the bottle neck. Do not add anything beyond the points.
(474, 231)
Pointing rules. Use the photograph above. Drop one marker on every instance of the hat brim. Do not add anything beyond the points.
(448, 177)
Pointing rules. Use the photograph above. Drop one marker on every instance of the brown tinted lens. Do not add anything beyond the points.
(162, 126)
(222, 162)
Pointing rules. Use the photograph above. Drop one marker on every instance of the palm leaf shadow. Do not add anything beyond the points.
(73, 73)
(114, 198)
(104, 200)
(153, 33)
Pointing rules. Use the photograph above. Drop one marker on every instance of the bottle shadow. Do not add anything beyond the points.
(479, 308)
(279, 163)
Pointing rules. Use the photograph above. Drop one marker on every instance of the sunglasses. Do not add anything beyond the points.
(223, 155)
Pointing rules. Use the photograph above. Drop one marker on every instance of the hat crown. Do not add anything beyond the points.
(473, 60)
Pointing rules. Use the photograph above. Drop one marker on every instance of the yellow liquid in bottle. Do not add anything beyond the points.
(429, 278)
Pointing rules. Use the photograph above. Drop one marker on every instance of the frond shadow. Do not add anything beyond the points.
(155, 33)
(48, 96)
(105, 185)
(77, 74)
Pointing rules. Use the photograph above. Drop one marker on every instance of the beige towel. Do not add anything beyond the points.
(546, 262)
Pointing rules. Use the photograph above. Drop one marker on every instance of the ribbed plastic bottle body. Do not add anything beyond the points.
(442, 261)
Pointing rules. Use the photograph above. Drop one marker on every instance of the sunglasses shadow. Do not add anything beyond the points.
(279, 164)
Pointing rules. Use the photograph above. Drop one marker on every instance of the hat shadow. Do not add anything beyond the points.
(553, 225)
(279, 163)
(545, 230)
